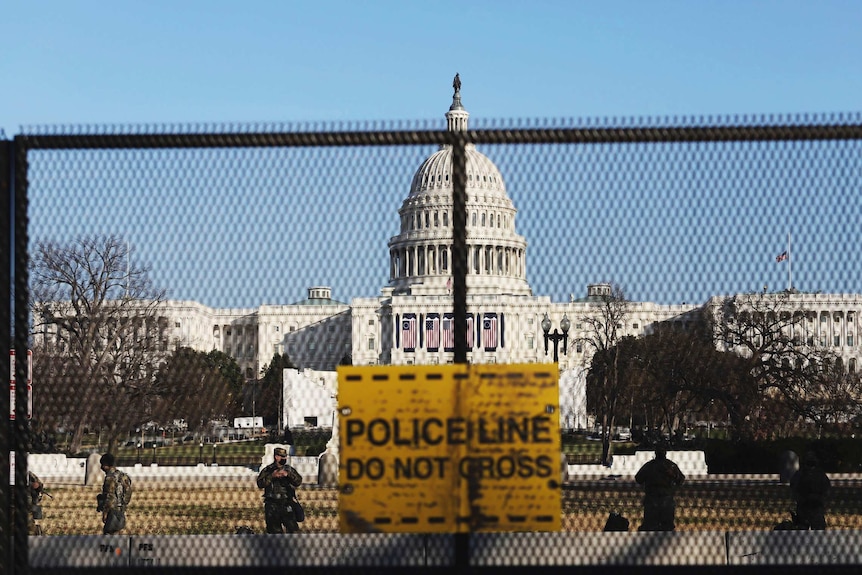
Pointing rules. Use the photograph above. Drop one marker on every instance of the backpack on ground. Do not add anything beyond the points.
(616, 522)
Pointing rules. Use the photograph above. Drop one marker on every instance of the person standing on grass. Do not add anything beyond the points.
(660, 477)
(279, 482)
(115, 497)
(810, 485)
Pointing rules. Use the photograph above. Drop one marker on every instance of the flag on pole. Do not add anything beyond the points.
(781, 257)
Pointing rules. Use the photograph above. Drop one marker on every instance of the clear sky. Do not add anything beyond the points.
(218, 62)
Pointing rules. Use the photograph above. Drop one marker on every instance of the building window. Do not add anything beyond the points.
(427, 220)
(530, 342)
(837, 341)
(579, 347)
(332, 328)
(436, 219)
(311, 346)
(850, 339)
(276, 328)
(177, 324)
(371, 344)
(293, 328)
(635, 326)
(483, 219)
(371, 321)
(445, 219)
(474, 218)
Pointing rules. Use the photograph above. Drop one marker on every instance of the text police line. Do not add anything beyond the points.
(415, 432)
(503, 467)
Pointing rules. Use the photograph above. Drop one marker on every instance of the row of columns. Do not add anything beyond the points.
(436, 260)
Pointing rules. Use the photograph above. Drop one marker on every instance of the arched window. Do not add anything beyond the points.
(445, 259)
(445, 219)
(474, 218)
(483, 219)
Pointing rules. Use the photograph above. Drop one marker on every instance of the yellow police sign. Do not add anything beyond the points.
(449, 448)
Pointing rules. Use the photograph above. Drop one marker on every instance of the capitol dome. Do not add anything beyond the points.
(421, 254)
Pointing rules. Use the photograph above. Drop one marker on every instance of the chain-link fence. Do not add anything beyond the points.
(187, 294)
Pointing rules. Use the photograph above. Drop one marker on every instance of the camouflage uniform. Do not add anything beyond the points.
(117, 492)
(660, 478)
(278, 493)
(35, 511)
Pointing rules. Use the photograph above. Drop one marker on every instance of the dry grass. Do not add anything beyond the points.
(172, 510)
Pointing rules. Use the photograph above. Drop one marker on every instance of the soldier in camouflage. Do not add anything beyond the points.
(115, 496)
(279, 482)
(660, 478)
(36, 488)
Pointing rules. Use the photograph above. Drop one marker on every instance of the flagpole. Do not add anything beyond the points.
(789, 264)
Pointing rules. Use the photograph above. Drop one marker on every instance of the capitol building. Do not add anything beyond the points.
(411, 321)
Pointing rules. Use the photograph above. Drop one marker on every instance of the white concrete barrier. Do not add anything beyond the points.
(691, 463)
(57, 468)
(620, 548)
(839, 547)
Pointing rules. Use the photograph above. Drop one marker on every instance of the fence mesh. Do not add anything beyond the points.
(263, 247)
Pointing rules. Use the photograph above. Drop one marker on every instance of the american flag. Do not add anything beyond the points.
(489, 332)
(408, 332)
(432, 332)
(781, 257)
(448, 332)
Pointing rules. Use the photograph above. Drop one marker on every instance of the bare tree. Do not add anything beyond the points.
(603, 331)
(97, 335)
(782, 362)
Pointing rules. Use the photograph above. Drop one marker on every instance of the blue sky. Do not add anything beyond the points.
(219, 62)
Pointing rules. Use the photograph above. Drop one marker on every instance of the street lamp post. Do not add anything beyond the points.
(201, 453)
(139, 453)
(214, 453)
(556, 336)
